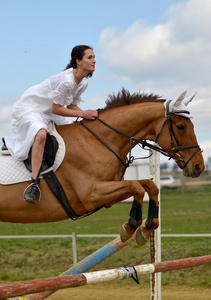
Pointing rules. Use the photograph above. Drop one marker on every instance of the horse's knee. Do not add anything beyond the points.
(150, 187)
(154, 188)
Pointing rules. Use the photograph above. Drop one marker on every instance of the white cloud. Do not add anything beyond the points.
(206, 147)
(174, 52)
(5, 113)
(166, 58)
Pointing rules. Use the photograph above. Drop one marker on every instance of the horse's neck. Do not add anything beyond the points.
(140, 121)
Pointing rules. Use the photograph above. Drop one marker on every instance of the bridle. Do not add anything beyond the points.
(147, 146)
(173, 137)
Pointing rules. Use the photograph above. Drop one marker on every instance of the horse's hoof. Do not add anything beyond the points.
(126, 232)
(140, 239)
(123, 234)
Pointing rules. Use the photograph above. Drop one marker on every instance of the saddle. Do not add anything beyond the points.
(51, 148)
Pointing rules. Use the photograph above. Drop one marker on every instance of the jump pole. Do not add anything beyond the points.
(40, 285)
(87, 263)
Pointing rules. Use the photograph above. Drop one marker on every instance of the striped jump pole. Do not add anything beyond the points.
(35, 286)
(87, 263)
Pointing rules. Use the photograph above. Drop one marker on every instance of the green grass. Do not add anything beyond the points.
(37, 258)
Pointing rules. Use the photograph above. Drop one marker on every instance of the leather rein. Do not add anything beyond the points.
(143, 144)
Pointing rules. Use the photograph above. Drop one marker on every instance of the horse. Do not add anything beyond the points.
(92, 172)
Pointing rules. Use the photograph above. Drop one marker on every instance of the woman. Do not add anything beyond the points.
(55, 99)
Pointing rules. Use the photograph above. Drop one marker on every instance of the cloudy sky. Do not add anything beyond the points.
(161, 46)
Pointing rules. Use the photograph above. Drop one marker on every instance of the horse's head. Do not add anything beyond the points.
(178, 138)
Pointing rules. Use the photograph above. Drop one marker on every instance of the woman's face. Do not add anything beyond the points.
(88, 61)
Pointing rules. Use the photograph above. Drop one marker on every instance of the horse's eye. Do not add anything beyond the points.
(181, 127)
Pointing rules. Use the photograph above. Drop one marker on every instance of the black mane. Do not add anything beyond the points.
(124, 97)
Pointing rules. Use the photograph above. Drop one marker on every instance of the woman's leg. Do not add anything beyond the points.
(37, 156)
(37, 151)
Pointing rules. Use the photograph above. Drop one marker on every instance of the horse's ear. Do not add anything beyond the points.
(189, 99)
(178, 106)
(175, 103)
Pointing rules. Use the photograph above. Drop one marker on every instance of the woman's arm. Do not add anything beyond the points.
(73, 111)
(74, 107)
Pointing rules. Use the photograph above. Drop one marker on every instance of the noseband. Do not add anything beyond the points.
(144, 144)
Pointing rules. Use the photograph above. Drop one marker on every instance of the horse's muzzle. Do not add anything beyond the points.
(194, 170)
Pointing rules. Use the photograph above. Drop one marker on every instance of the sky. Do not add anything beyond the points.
(163, 47)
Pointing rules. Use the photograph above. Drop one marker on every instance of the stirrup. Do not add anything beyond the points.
(26, 190)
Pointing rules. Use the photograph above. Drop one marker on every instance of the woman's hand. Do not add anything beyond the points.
(90, 114)
(74, 111)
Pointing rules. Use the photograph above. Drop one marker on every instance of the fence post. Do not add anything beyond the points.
(155, 240)
(74, 247)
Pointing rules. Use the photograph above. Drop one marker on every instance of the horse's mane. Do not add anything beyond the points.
(124, 97)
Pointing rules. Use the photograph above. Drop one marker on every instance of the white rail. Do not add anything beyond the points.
(43, 236)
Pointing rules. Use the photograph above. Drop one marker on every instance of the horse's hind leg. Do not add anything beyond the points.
(151, 223)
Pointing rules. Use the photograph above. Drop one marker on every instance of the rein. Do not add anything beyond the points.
(129, 160)
(143, 144)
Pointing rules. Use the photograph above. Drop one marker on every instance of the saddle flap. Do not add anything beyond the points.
(49, 155)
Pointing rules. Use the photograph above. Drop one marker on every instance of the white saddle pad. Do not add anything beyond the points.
(14, 171)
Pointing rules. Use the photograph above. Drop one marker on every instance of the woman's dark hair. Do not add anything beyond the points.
(78, 53)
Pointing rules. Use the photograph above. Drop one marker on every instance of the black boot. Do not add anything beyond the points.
(4, 149)
(33, 193)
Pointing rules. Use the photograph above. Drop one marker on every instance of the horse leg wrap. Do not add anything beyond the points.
(135, 215)
(152, 213)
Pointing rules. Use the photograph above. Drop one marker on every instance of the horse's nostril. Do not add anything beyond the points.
(197, 168)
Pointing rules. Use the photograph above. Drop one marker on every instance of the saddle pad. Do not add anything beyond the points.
(14, 171)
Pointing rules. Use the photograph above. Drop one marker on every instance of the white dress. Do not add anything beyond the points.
(33, 110)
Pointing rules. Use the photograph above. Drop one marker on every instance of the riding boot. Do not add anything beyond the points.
(33, 192)
(4, 149)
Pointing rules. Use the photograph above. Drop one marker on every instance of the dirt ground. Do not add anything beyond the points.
(124, 292)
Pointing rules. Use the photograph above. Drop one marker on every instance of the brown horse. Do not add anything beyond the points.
(96, 156)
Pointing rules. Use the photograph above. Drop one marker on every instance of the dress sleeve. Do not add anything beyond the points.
(77, 98)
(63, 94)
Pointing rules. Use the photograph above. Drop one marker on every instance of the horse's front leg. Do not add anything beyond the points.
(148, 225)
(152, 222)
(109, 192)
(135, 220)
